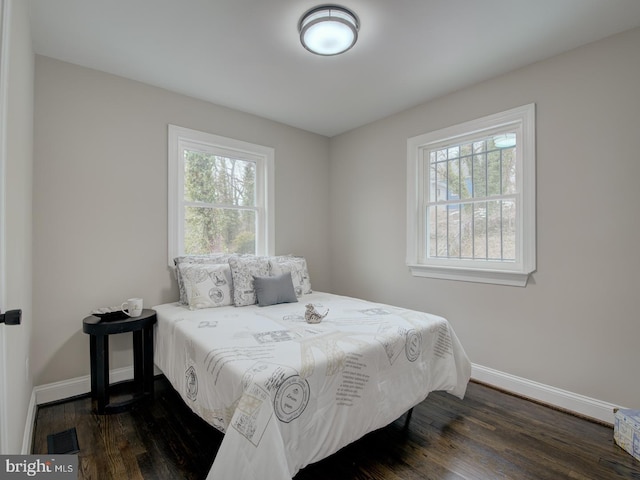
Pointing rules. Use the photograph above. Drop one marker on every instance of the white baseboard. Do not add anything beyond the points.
(52, 392)
(555, 397)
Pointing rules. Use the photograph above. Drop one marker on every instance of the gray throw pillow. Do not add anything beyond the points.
(274, 290)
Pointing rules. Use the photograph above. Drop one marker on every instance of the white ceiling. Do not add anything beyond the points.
(245, 54)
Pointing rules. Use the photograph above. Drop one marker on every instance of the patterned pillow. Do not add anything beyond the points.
(298, 268)
(213, 258)
(243, 269)
(206, 285)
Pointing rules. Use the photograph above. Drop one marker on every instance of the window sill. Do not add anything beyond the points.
(514, 279)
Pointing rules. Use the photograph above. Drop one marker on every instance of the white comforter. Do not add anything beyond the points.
(288, 393)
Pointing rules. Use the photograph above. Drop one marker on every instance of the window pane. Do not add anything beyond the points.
(509, 170)
(479, 176)
(501, 230)
(466, 231)
(479, 146)
(494, 230)
(477, 231)
(494, 180)
(466, 181)
(509, 230)
(442, 185)
(433, 181)
(484, 229)
(433, 232)
(218, 180)
(454, 180)
(439, 232)
(453, 230)
(212, 230)
(465, 150)
(480, 230)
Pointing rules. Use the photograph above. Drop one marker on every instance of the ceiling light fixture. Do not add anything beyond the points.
(505, 140)
(328, 29)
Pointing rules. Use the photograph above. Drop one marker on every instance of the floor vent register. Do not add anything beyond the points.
(63, 443)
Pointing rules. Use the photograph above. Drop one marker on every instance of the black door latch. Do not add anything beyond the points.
(11, 317)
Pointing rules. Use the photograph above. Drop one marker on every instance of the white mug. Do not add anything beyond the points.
(132, 307)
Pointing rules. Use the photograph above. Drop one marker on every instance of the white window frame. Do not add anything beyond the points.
(181, 138)
(516, 273)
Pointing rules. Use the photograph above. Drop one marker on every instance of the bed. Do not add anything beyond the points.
(287, 393)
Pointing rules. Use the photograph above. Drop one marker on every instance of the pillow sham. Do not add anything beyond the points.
(206, 285)
(243, 269)
(274, 290)
(297, 266)
(211, 258)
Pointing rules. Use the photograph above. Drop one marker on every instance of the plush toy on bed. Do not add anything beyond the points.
(312, 315)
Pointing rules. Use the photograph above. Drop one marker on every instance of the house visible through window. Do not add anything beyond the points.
(219, 197)
(471, 202)
(471, 207)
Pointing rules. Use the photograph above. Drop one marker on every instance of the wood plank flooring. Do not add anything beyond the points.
(488, 435)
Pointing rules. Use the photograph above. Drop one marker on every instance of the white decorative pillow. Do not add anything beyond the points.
(212, 258)
(298, 268)
(243, 269)
(206, 285)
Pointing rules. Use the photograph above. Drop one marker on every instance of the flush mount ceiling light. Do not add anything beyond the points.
(328, 30)
(504, 140)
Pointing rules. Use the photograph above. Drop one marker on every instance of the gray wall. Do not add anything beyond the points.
(100, 201)
(100, 160)
(19, 231)
(576, 325)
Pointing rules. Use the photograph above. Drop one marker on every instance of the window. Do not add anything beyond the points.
(471, 200)
(220, 195)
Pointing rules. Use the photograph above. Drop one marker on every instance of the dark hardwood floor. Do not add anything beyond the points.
(488, 435)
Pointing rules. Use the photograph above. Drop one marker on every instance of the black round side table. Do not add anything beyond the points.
(141, 386)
